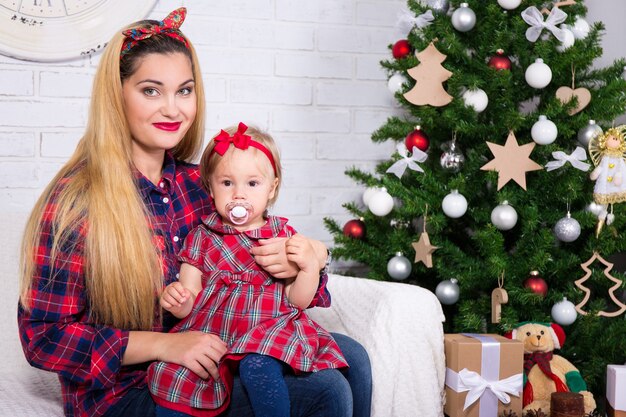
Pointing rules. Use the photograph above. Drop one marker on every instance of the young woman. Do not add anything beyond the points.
(102, 240)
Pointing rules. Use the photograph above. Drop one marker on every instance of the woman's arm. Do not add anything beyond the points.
(198, 351)
(271, 255)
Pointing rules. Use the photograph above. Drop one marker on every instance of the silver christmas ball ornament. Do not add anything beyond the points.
(564, 312)
(589, 132)
(503, 216)
(567, 229)
(399, 267)
(452, 159)
(464, 18)
(448, 291)
(438, 6)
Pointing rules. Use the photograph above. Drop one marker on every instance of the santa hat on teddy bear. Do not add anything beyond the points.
(556, 331)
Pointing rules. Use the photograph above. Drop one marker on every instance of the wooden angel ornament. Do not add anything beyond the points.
(429, 76)
(608, 153)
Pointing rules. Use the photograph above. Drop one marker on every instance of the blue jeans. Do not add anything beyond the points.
(328, 393)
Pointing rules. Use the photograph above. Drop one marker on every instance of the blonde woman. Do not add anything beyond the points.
(102, 240)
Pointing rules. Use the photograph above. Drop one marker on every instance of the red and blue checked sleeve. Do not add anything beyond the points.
(56, 332)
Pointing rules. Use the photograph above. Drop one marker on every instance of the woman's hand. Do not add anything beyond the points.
(272, 257)
(198, 351)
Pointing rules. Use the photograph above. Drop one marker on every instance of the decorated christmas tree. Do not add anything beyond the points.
(507, 177)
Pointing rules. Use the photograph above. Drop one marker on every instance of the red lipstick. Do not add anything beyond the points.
(169, 127)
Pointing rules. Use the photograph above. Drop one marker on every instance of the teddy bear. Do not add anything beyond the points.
(544, 371)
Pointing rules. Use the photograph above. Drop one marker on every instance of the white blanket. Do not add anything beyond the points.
(400, 326)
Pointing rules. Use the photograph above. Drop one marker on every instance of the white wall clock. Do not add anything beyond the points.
(57, 30)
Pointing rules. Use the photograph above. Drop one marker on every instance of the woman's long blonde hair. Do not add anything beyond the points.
(122, 269)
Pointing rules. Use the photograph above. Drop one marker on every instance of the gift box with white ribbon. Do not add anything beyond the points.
(484, 375)
(616, 390)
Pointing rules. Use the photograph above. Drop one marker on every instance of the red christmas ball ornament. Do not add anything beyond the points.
(536, 284)
(401, 49)
(355, 229)
(417, 138)
(500, 61)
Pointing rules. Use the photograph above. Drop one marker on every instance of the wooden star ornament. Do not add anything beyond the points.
(512, 161)
(424, 250)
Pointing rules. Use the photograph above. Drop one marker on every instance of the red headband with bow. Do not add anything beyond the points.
(241, 141)
(169, 26)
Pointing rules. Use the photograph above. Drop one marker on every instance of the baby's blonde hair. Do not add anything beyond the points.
(210, 159)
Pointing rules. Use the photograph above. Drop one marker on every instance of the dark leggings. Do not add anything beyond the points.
(263, 379)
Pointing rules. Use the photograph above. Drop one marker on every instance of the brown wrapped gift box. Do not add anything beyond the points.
(465, 352)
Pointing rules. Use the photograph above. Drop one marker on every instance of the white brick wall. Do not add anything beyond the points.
(308, 71)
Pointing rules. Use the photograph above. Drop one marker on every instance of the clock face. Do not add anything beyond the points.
(57, 30)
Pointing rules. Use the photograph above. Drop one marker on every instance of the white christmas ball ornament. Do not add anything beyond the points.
(380, 203)
(503, 216)
(454, 205)
(448, 291)
(463, 18)
(594, 208)
(538, 74)
(581, 28)
(509, 4)
(569, 40)
(544, 131)
(477, 99)
(564, 312)
(399, 267)
(368, 193)
(395, 82)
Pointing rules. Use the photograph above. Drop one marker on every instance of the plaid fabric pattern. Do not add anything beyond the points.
(57, 335)
(248, 309)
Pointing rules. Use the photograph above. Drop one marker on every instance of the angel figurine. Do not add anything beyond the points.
(608, 152)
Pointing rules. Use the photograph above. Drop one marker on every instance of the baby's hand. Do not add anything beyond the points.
(174, 296)
(300, 251)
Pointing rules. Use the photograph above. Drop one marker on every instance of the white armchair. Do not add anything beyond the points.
(399, 325)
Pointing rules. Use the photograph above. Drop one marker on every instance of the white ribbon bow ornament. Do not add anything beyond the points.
(476, 385)
(576, 159)
(533, 17)
(400, 165)
(407, 20)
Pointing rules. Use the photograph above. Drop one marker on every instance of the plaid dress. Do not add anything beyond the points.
(245, 307)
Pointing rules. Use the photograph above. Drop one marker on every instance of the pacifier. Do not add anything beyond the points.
(238, 212)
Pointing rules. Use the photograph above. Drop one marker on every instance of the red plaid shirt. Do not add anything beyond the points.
(57, 335)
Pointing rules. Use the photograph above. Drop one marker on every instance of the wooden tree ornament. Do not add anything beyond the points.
(566, 94)
(559, 4)
(587, 291)
(429, 76)
(512, 161)
(499, 296)
(423, 249)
